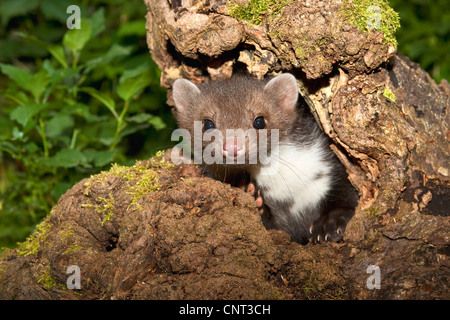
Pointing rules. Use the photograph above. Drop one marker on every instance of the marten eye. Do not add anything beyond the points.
(208, 124)
(259, 123)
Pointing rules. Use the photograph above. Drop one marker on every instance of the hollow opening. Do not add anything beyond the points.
(112, 243)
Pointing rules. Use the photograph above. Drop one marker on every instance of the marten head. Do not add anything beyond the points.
(231, 113)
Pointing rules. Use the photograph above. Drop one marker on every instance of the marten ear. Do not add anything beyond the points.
(284, 90)
(184, 94)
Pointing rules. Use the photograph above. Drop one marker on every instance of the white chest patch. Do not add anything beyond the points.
(300, 175)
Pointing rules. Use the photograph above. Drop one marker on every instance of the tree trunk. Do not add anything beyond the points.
(159, 231)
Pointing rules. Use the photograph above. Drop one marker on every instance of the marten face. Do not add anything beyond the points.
(239, 119)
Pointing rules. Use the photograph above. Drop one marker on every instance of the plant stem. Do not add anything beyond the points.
(44, 138)
(120, 126)
(75, 57)
(74, 138)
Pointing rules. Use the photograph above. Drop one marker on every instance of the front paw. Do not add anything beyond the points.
(252, 190)
(330, 226)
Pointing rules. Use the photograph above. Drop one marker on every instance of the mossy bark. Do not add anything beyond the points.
(169, 232)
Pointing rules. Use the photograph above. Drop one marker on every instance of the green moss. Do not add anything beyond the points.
(65, 233)
(141, 179)
(106, 208)
(277, 295)
(364, 13)
(46, 279)
(6, 253)
(306, 48)
(3, 269)
(72, 249)
(373, 212)
(389, 94)
(300, 53)
(32, 244)
(255, 11)
(87, 186)
(147, 182)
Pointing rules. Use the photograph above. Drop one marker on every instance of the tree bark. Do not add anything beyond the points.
(185, 236)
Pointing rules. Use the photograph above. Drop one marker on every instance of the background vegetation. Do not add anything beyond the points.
(73, 101)
(424, 36)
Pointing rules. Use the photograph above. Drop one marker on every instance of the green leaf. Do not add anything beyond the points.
(31, 147)
(17, 133)
(38, 84)
(60, 188)
(132, 87)
(83, 111)
(131, 73)
(106, 132)
(103, 98)
(20, 76)
(22, 114)
(7, 146)
(35, 84)
(66, 158)
(99, 158)
(157, 123)
(115, 52)
(132, 129)
(76, 39)
(5, 126)
(57, 52)
(56, 75)
(14, 8)
(55, 9)
(18, 97)
(140, 118)
(97, 22)
(58, 124)
(136, 27)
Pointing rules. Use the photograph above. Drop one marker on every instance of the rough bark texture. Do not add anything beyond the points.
(158, 231)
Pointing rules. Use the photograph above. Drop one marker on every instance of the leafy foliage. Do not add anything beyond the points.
(72, 102)
(425, 34)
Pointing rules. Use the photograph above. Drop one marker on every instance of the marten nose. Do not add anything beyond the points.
(233, 147)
